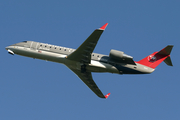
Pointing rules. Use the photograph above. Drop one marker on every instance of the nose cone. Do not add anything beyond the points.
(7, 47)
(10, 47)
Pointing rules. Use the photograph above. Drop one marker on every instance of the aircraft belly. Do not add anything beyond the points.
(97, 66)
(39, 54)
(134, 69)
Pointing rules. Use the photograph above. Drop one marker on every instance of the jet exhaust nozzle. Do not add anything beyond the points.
(10, 52)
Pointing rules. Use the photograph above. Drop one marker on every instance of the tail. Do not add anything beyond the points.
(156, 58)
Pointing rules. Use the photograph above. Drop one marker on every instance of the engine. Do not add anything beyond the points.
(119, 55)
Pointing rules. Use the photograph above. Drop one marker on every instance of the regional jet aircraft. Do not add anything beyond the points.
(83, 61)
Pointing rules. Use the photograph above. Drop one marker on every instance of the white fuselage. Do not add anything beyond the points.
(44, 54)
(58, 54)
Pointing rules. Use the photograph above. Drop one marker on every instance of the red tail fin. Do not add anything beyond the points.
(156, 58)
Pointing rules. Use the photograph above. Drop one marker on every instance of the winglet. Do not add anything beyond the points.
(106, 96)
(104, 26)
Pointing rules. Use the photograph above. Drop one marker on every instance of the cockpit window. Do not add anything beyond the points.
(25, 41)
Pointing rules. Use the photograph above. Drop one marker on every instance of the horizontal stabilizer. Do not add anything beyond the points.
(168, 61)
(166, 50)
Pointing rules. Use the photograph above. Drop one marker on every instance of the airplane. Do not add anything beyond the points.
(82, 61)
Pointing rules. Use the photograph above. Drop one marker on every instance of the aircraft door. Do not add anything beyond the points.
(33, 45)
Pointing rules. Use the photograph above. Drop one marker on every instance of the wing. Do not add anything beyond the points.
(83, 53)
(86, 77)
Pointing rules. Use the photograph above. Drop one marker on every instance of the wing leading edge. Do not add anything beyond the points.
(83, 55)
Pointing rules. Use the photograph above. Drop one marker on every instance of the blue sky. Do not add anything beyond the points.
(32, 89)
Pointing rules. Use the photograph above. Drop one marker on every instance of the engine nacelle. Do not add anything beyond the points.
(119, 55)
